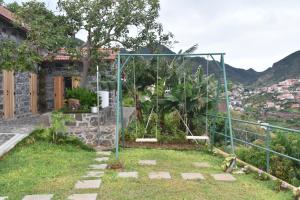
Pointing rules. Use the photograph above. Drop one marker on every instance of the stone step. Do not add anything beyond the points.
(88, 184)
(102, 159)
(223, 177)
(147, 162)
(128, 174)
(91, 196)
(100, 166)
(38, 197)
(159, 175)
(192, 176)
(95, 174)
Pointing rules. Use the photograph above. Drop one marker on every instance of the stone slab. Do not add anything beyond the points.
(38, 197)
(11, 142)
(102, 159)
(104, 153)
(95, 174)
(147, 162)
(91, 196)
(88, 184)
(159, 175)
(100, 166)
(201, 164)
(223, 177)
(128, 174)
(192, 176)
(3, 198)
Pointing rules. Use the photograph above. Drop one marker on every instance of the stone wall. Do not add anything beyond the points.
(85, 127)
(22, 94)
(1, 96)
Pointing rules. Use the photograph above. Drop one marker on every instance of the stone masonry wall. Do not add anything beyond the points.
(1, 96)
(85, 127)
(22, 94)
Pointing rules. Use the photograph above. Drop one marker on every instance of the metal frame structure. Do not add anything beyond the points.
(119, 107)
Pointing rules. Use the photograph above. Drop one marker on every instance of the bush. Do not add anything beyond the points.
(86, 97)
(56, 133)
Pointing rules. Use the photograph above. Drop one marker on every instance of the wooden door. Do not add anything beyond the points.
(76, 81)
(33, 93)
(9, 94)
(58, 92)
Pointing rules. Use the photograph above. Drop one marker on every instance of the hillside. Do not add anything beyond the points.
(288, 67)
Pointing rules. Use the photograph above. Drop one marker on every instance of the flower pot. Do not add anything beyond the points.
(94, 109)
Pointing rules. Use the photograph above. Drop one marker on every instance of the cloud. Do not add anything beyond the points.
(253, 33)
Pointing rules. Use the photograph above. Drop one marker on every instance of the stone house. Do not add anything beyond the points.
(62, 72)
(27, 93)
(18, 91)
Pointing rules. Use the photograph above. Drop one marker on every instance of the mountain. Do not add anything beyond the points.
(288, 67)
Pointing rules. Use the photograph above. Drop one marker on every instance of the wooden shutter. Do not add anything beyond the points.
(58, 92)
(33, 93)
(9, 94)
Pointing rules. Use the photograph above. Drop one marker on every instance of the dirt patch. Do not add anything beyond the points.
(116, 165)
(184, 146)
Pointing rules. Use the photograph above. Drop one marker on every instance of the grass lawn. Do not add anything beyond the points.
(42, 168)
(176, 162)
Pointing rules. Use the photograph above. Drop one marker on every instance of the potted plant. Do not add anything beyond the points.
(94, 109)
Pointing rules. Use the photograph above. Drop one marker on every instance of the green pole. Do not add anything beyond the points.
(267, 151)
(118, 105)
(122, 120)
(227, 104)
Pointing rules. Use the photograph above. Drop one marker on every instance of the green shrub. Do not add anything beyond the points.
(86, 97)
(56, 133)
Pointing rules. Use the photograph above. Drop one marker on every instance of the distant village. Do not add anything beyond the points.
(283, 96)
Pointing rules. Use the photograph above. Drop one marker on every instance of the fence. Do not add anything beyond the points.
(249, 134)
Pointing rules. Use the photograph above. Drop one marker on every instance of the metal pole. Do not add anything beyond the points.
(118, 105)
(267, 151)
(122, 120)
(98, 103)
(227, 104)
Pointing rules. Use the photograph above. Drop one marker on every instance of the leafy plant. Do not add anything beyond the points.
(58, 128)
(86, 97)
(228, 164)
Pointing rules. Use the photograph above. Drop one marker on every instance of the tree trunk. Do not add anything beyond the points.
(86, 60)
(86, 65)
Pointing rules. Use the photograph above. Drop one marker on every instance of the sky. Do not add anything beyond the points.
(253, 33)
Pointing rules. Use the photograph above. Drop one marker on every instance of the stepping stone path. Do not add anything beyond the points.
(103, 159)
(159, 175)
(100, 166)
(147, 162)
(201, 164)
(91, 184)
(192, 176)
(88, 184)
(95, 174)
(38, 197)
(104, 153)
(223, 177)
(128, 174)
(92, 196)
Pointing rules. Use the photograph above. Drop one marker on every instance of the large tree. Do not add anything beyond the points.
(45, 33)
(120, 23)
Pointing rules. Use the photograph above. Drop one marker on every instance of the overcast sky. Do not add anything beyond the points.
(253, 33)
